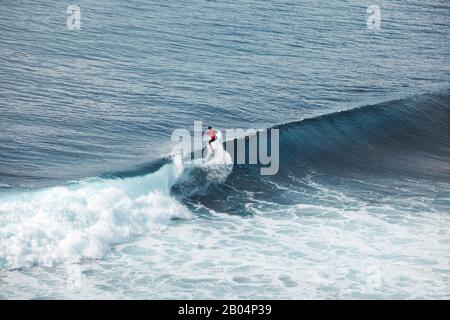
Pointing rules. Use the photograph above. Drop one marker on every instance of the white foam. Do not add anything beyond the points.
(82, 221)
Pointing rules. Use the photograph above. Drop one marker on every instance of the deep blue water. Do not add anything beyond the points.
(358, 209)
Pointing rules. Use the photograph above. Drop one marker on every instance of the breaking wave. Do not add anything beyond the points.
(82, 220)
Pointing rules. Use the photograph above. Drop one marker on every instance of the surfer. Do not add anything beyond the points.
(212, 136)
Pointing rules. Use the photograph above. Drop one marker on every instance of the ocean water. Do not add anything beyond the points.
(92, 205)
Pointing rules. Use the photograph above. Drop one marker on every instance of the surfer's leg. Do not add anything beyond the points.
(210, 146)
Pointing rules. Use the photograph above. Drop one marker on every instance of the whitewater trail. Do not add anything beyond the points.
(83, 220)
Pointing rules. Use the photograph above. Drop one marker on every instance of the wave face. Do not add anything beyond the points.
(400, 139)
